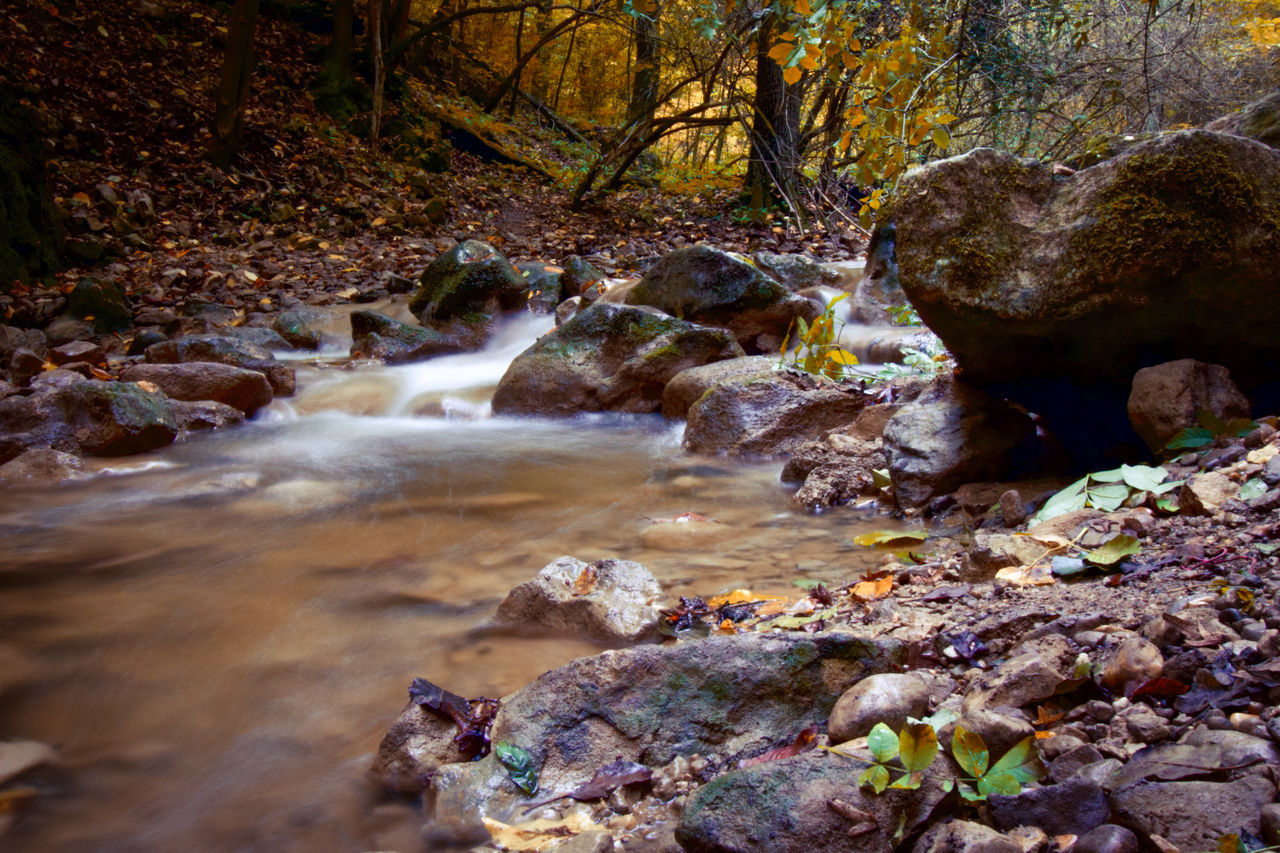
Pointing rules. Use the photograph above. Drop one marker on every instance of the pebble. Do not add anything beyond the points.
(1107, 838)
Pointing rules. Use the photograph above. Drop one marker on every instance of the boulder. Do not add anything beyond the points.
(1193, 815)
(714, 288)
(887, 698)
(30, 421)
(610, 601)
(102, 303)
(1107, 838)
(839, 466)
(203, 415)
(78, 351)
(650, 703)
(795, 272)
(952, 434)
(807, 803)
(43, 466)
(13, 339)
(579, 276)
(608, 358)
(542, 285)
(769, 415)
(879, 290)
(1259, 120)
(259, 336)
(687, 386)
(1164, 252)
(377, 336)
(298, 328)
(1073, 807)
(225, 350)
(116, 418)
(1165, 398)
(463, 290)
(415, 746)
(246, 390)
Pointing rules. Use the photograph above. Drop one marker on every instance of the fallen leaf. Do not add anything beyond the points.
(863, 822)
(536, 834)
(803, 742)
(890, 537)
(586, 581)
(872, 589)
(1037, 575)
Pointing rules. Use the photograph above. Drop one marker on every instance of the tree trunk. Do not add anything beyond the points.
(515, 85)
(379, 69)
(233, 89)
(338, 65)
(644, 86)
(775, 129)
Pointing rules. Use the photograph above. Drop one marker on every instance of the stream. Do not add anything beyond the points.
(215, 636)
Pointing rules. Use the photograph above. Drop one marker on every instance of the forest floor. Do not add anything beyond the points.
(308, 211)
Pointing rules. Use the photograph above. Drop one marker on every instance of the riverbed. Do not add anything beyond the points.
(216, 635)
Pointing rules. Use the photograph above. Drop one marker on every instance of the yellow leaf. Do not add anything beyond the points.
(1035, 575)
(945, 118)
(81, 198)
(941, 138)
(792, 75)
(802, 7)
(780, 51)
(787, 36)
(878, 588)
(843, 357)
(855, 45)
(808, 63)
(381, 220)
(857, 118)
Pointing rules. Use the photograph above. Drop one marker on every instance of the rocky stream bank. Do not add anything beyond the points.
(1092, 657)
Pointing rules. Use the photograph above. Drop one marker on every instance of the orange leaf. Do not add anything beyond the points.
(871, 589)
(585, 582)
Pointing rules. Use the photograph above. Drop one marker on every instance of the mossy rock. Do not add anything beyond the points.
(714, 288)
(608, 358)
(379, 337)
(117, 418)
(471, 278)
(1259, 120)
(104, 303)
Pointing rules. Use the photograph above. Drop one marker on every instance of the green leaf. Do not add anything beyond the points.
(939, 719)
(882, 742)
(1113, 550)
(1169, 505)
(807, 583)
(1211, 422)
(880, 477)
(1144, 478)
(1191, 438)
(1231, 843)
(917, 746)
(887, 537)
(970, 751)
(968, 793)
(1267, 548)
(1166, 487)
(519, 764)
(877, 776)
(909, 781)
(1251, 489)
(1068, 500)
(999, 783)
(1108, 497)
(1114, 475)
(1021, 762)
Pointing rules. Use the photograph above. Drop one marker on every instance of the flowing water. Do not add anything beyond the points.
(215, 636)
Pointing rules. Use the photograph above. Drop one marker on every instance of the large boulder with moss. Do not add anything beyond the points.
(117, 418)
(1168, 251)
(464, 290)
(727, 697)
(714, 288)
(379, 337)
(1259, 120)
(610, 357)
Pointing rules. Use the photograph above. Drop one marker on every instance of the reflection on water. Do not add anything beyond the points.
(216, 635)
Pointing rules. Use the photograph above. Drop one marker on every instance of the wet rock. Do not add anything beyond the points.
(953, 434)
(611, 601)
(1271, 823)
(116, 418)
(799, 805)
(879, 289)
(464, 289)
(34, 420)
(999, 727)
(65, 329)
(260, 336)
(246, 390)
(1045, 281)
(103, 303)
(769, 415)
(1166, 397)
(1070, 808)
(13, 339)
(144, 338)
(379, 337)
(298, 328)
(43, 466)
(1107, 838)
(225, 350)
(203, 415)
(795, 272)
(569, 309)
(1205, 494)
(887, 698)
(1013, 508)
(1202, 752)
(1193, 815)
(607, 358)
(713, 288)
(649, 703)
(578, 276)
(834, 469)
(544, 287)
(411, 751)
(962, 836)
(687, 386)
(1068, 763)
